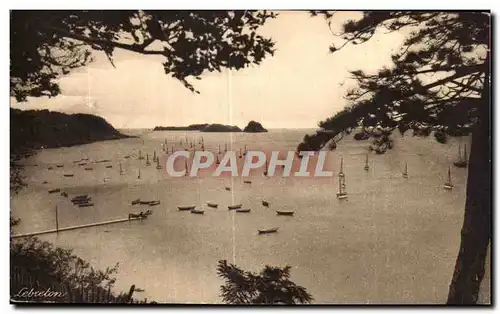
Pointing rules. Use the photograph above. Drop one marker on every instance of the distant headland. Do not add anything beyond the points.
(252, 127)
(34, 129)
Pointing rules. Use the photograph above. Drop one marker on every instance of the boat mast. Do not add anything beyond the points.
(341, 172)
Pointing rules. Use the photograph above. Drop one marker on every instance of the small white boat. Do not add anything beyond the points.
(200, 212)
(243, 210)
(231, 207)
(213, 205)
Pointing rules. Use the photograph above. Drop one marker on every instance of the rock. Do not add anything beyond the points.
(254, 127)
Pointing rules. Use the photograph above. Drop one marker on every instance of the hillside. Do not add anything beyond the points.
(34, 129)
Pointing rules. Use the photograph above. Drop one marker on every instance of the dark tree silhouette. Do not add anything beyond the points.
(440, 80)
(271, 286)
(47, 44)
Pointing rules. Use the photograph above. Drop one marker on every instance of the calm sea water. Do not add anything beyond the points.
(393, 240)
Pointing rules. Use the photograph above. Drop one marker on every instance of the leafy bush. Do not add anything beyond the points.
(271, 286)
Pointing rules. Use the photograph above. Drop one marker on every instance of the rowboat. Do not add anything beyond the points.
(213, 205)
(145, 202)
(68, 175)
(59, 166)
(85, 205)
(88, 169)
(109, 166)
(231, 207)
(82, 164)
(284, 213)
(135, 202)
(81, 201)
(186, 207)
(104, 160)
(265, 204)
(243, 210)
(200, 212)
(154, 203)
(54, 191)
(141, 215)
(247, 181)
(273, 230)
(80, 196)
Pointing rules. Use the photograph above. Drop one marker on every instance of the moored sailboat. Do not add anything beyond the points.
(342, 194)
(448, 185)
(367, 167)
(462, 161)
(341, 172)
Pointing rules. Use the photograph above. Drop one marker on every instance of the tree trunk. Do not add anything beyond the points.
(476, 229)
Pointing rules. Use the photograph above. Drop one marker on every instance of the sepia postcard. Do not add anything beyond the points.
(250, 157)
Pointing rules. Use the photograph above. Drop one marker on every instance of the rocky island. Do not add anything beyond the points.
(205, 127)
(220, 128)
(254, 127)
(191, 127)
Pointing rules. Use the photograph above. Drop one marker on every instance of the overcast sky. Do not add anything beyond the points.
(302, 84)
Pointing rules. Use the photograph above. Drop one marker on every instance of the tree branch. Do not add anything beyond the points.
(139, 48)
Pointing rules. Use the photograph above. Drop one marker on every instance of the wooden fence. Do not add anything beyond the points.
(23, 281)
